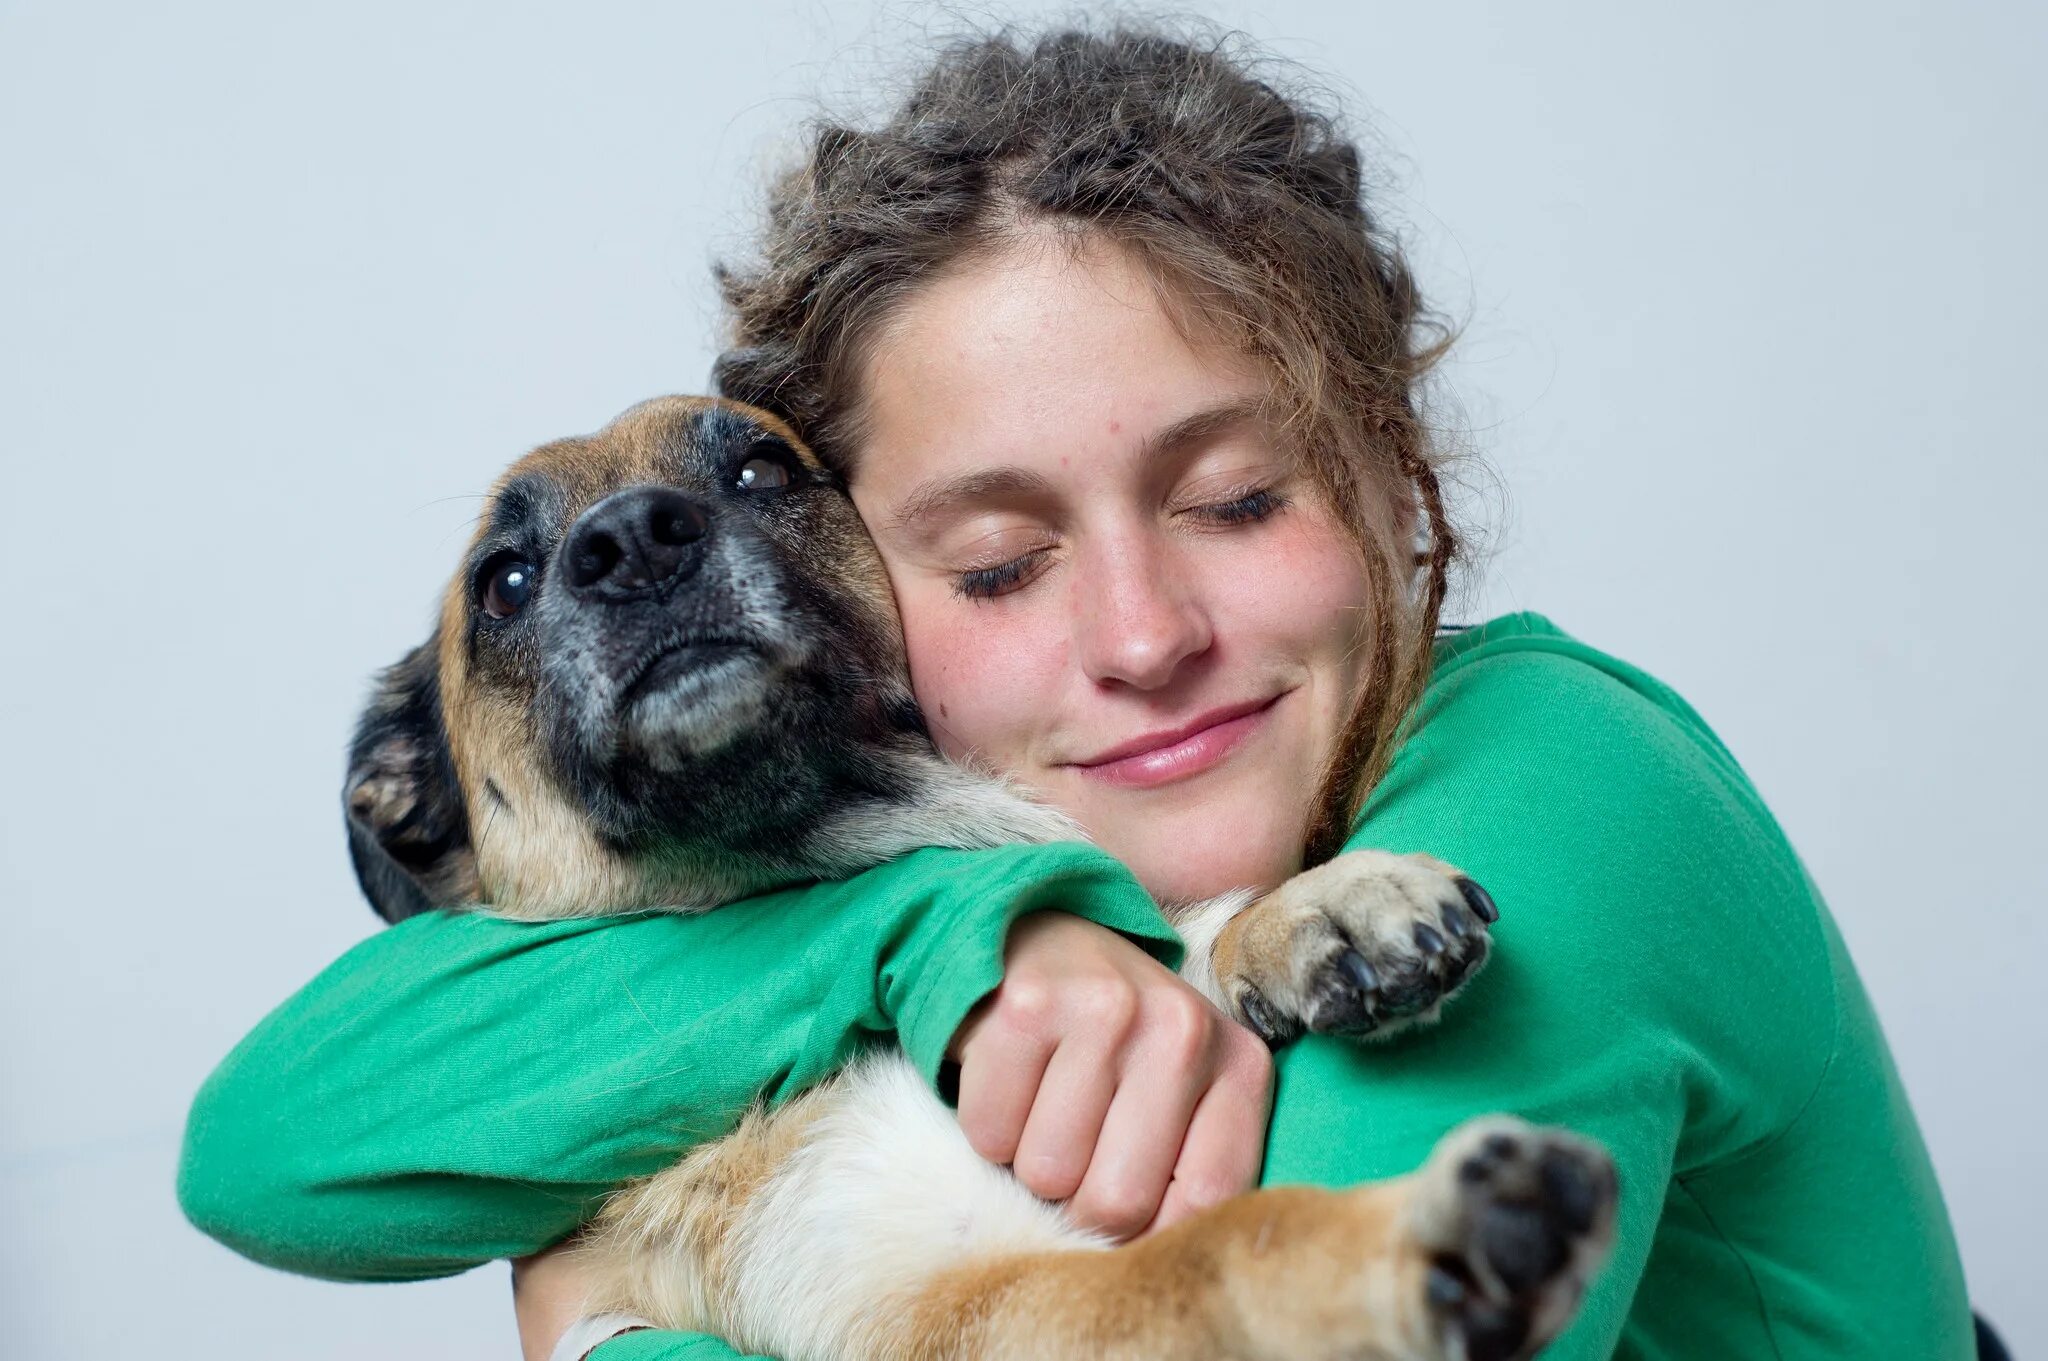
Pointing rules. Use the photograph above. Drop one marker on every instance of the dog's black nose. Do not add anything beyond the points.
(634, 541)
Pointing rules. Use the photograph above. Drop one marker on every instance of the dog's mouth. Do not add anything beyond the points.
(690, 665)
(691, 698)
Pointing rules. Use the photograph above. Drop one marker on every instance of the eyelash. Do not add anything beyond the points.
(1254, 505)
(986, 583)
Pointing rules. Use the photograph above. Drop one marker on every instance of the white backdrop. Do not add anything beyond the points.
(1754, 321)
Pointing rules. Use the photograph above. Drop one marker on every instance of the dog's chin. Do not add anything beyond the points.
(693, 700)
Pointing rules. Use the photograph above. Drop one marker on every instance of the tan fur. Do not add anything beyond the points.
(1282, 1273)
(1283, 945)
(1262, 941)
(662, 1246)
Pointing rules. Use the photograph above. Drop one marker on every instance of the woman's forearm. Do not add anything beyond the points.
(459, 1088)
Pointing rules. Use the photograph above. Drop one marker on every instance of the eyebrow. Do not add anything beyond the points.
(938, 495)
(518, 501)
(1202, 425)
(942, 494)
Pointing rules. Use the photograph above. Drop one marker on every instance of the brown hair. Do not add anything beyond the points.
(1246, 203)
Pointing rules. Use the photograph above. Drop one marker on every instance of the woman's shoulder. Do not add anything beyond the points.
(1555, 748)
(1521, 682)
(1524, 657)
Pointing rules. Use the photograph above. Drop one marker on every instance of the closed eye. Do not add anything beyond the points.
(1248, 508)
(986, 583)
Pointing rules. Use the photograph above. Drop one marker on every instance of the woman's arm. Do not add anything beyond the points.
(458, 1088)
(1666, 980)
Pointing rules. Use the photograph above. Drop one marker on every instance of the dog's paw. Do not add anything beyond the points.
(1514, 1221)
(1361, 945)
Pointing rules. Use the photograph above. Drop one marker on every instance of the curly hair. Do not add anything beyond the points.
(1248, 208)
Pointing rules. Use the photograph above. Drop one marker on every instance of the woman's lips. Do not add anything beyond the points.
(1162, 758)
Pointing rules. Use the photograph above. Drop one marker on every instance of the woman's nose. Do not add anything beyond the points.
(1137, 618)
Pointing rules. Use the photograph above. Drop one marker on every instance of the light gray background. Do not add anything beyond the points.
(1754, 300)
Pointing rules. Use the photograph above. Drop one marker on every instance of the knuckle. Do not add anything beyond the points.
(1119, 1208)
(987, 1136)
(1109, 1005)
(1047, 1177)
(1183, 1027)
(1207, 1192)
(1026, 1003)
(1247, 1058)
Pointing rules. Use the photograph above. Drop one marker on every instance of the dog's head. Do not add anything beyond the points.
(665, 672)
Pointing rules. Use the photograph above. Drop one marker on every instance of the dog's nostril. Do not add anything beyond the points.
(593, 559)
(635, 540)
(677, 524)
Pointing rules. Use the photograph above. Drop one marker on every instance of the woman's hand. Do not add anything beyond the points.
(548, 1290)
(1104, 1080)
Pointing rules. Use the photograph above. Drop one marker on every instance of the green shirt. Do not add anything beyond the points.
(1666, 979)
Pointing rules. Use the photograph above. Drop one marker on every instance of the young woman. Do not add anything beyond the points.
(1122, 376)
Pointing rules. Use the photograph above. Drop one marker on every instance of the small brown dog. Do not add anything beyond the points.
(669, 674)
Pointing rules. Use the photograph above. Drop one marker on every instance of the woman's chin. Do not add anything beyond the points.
(1180, 862)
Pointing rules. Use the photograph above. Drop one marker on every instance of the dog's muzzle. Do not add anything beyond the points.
(663, 642)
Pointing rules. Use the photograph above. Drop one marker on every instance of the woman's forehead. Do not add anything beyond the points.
(1040, 360)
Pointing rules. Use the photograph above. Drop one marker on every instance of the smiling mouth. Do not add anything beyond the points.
(1164, 757)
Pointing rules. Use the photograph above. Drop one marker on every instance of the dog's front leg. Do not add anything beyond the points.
(1363, 944)
(857, 1223)
(1482, 1255)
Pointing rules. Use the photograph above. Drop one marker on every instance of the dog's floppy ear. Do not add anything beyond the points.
(408, 831)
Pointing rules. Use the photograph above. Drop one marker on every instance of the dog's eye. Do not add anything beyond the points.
(508, 585)
(770, 468)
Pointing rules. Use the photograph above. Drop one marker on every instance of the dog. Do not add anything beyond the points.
(669, 674)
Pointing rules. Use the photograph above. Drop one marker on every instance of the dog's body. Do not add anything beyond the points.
(670, 675)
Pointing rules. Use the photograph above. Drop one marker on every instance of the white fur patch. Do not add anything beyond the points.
(885, 1193)
(1198, 927)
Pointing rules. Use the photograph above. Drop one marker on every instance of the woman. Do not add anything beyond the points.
(1122, 378)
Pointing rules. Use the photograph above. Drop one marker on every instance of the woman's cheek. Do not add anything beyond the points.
(977, 669)
(1301, 589)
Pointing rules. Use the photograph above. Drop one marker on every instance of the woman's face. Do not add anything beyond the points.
(1114, 585)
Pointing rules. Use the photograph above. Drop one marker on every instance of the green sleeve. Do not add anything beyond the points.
(461, 1088)
(1661, 978)
(653, 1345)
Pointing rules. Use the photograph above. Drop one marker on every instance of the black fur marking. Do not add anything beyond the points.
(408, 833)
(527, 501)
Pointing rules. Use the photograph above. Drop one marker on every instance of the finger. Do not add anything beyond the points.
(1001, 1070)
(1142, 1135)
(1226, 1138)
(1066, 1119)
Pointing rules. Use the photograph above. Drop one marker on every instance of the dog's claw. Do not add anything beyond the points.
(1369, 942)
(1353, 966)
(1480, 901)
(1264, 1021)
(1445, 1290)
